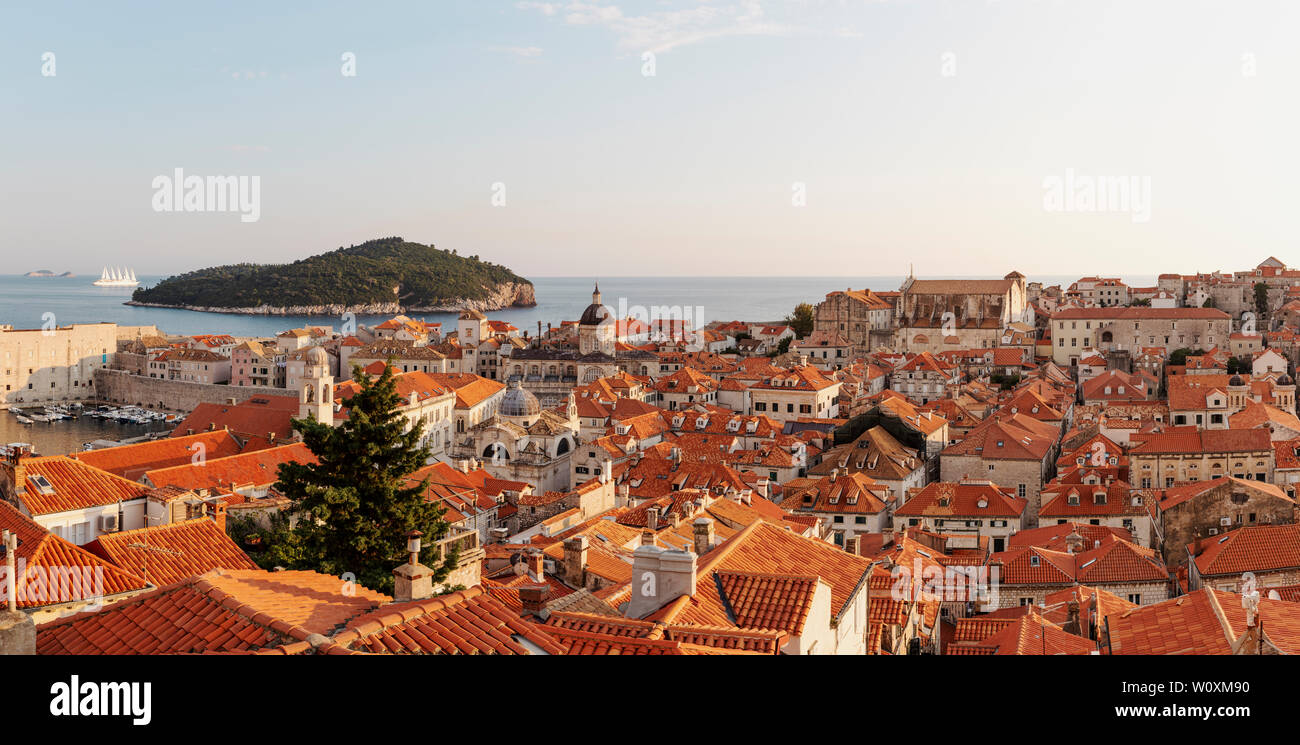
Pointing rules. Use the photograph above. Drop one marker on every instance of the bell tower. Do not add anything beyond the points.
(316, 388)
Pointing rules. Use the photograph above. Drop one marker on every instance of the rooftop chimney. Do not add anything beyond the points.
(652, 518)
(1074, 542)
(659, 576)
(537, 565)
(575, 561)
(412, 580)
(533, 598)
(217, 510)
(703, 528)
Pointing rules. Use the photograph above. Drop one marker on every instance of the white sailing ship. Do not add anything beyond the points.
(116, 277)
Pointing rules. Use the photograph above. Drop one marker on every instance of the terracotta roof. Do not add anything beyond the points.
(72, 486)
(1136, 313)
(252, 418)
(1002, 437)
(465, 622)
(258, 468)
(763, 548)
(131, 461)
(1256, 548)
(471, 390)
(221, 610)
(1204, 621)
(165, 554)
(1030, 634)
(1201, 441)
(50, 554)
(948, 499)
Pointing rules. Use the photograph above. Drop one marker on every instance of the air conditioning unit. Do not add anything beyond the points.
(1225, 521)
(108, 523)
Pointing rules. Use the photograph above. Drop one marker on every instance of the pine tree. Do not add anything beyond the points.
(357, 504)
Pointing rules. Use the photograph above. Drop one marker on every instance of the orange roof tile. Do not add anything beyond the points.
(165, 554)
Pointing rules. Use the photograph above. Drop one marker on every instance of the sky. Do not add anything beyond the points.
(773, 138)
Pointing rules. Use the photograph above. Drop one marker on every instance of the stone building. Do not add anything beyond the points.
(550, 372)
(1028, 574)
(978, 508)
(1014, 451)
(865, 319)
(935, 315)
(54, 364)
(1192, 511)
(522, 441)
(1161, 460)
(1269, 552)
(1105, 329)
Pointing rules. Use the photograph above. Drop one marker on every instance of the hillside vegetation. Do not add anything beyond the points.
(386, 270)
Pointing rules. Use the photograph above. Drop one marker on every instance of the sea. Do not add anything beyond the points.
(36, 302)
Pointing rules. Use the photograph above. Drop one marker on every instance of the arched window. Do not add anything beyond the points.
(309, 395)
(496, 452)
(562, 447)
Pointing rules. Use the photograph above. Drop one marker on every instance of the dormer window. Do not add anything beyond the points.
(1033, 560)
(1099, 497)
(1073, 499)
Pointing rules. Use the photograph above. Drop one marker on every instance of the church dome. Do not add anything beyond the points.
(1285, 380)
(518, 402)
(596, 313)
(1235, 380)
(317, 356)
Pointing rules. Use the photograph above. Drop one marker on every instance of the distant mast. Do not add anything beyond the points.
(116, 277)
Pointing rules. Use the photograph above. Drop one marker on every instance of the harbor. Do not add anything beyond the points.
(70, 428)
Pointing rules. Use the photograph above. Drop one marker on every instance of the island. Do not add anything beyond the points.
(48, 273)
(382, 276)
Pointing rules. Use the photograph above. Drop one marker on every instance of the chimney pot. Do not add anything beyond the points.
(533, 598)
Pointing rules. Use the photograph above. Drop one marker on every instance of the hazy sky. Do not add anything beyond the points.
(959, 136)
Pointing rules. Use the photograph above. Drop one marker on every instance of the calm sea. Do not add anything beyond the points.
(24, 301)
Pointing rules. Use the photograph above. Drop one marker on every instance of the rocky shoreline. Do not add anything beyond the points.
(507, 295)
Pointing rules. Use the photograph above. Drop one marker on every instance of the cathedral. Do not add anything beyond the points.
(524, 441)
(550, 373)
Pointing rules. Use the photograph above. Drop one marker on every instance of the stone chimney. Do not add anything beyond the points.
(704, 537)
(851, 544)
(659, 576)
(533, 598)
(412, 580)
(1074, 542)
(652, 519)
(537, 565)
(17, 630)
(217, 510)
(624, 496)
(575, 561)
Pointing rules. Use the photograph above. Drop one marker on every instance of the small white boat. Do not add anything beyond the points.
(25, 420)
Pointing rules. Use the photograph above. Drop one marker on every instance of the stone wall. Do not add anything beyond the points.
(119, 387)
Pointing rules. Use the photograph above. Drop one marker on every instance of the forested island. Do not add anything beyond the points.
(387, 275)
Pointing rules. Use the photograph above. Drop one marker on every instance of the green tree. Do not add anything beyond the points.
(1179, 356)
(1261, 299)
(782, 347)
(356, 505)
(801, 320)
(1209, 303)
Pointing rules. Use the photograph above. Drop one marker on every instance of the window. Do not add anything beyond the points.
(1135, 598)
